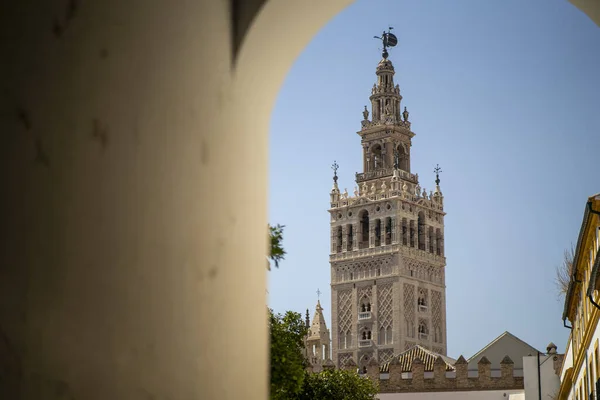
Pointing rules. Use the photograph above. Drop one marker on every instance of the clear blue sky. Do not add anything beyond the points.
(504, 95)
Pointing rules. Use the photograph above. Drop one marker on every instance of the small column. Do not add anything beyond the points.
(418, 374)
(394, 230)
(355, 237)
(439, 370)
(507, 372)
(395, 377)
(484, 370)
(372, 233)
(373, 370)
(462, 373)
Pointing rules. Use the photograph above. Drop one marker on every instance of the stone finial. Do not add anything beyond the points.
(483, 361)
(551, 348)
(356, 192)
(460, 361)
(506, 360)
(373, 188)
(345, 194)
(328, 364)
(383, 187)
(364, 189)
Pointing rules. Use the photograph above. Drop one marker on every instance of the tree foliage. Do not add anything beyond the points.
(337, 385)
(276, 253)
(287, 358)
(564, 271)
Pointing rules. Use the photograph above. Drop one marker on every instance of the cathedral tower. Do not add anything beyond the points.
(387, 243)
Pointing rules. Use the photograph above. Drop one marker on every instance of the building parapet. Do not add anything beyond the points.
(416, 380)
(433, 201)
(388, 249)
(384, 172)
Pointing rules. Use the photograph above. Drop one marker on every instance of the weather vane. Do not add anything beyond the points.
(335, 167)
(437, 171)
(388, 39)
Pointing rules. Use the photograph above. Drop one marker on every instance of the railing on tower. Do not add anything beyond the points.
(363, 316)
(379, 173)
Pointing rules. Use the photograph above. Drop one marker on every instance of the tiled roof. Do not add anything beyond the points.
(406, 359)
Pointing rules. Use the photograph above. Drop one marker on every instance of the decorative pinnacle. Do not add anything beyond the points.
(437, 171)
(335, 167)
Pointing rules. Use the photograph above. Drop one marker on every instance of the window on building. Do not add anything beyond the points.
(431, 239)
(421, 230)
(350, 238)
(388, 231)
(377, 232)
(339, 240)
(404, 232)
(364, 229)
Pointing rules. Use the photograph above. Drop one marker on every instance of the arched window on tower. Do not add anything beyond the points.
(364, 229)
(438, 241)
(377, 157)
(431, 240)
(350, 238)
(412, 233)
(423, 331)
(421, 230)
(388, 231)
(403, 158)
(339, 239)
(404, 232)
(377, 232)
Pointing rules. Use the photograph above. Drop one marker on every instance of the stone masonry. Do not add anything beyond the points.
(387, 244)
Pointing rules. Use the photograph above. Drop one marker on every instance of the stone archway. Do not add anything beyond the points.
(133, 231)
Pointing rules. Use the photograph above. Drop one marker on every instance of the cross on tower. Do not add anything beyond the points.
(335, 167)
(318, 294)
(437, 171)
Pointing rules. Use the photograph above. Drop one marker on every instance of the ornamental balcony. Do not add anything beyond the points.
(365, 343)
(364, 316)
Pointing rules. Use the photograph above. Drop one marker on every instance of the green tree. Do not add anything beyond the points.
(276, 253)
(287, 358)
(337, 385)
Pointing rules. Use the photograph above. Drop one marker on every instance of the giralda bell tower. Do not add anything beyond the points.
(387, 241)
